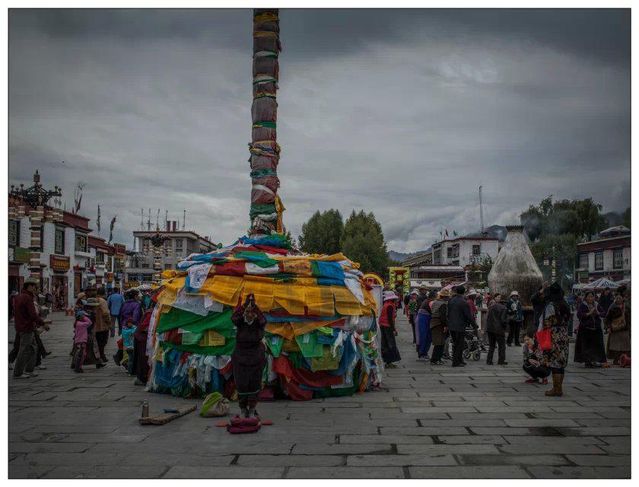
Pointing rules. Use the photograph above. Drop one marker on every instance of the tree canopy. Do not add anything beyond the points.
(363, 242)
(322, 233)
(555, 228)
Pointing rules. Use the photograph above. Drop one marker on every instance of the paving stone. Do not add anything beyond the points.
(527, 423)
(28, 471)
(453, 430)
(599, 460)
(596, 431)
(512, 460)
(397, 439)
(345, 473)
(232, 472)
(27, 447)
(463, 472)
(102, 472)
(445, 449)
(399, 460)
(291, 460)
(341, 449)
(472, 440)
(580, 472)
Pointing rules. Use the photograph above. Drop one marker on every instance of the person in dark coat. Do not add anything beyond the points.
(555, 317)
(618, 323)
(390, 353)
(459, 317)
(537, 301)
(589, 347)
(515, 318)
(424, 336)
(249, 356)
(605, 300)
(438, 326)
(496, 324)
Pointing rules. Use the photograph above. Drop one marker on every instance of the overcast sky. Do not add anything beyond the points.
(400, 112)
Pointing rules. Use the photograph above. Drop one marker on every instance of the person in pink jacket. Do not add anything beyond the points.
(80, 339)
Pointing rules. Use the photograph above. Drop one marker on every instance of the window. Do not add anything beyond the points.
(99, 258)
(14, 233)
(456, 250)
(617, 259)
(59, 241)
(583, 261)
(80, 242)
(179, 244)
(599, 261)
(449, 252)
(477, 249)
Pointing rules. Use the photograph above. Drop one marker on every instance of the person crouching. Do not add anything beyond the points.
(249, 356)
(532, 363)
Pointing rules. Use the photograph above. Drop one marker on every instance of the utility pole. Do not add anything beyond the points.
(184, 221)
(481, 211)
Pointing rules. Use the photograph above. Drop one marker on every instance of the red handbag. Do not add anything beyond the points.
(544, 339)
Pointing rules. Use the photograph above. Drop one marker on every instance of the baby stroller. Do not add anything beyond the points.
(472, 345)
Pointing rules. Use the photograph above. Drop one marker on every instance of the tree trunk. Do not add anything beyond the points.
(266, 207)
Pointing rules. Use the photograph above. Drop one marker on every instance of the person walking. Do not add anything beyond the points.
(27, 320)
(115, 302)
(459, 317)
(390, 354)
(438, 326)
(496, 324)
(589, 346)
(618, 325)
(555, 317)
(103, 324)
(515, 318)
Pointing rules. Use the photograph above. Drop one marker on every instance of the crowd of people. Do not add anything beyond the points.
(446, 325)
(97, 318)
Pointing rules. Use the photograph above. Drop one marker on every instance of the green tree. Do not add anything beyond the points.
(322, 233)
(363, 242)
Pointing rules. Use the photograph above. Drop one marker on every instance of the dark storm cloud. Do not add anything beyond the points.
(400, 112)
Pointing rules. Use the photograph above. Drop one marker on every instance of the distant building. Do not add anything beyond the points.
(608, 256)
(178, 245)
(435, 276)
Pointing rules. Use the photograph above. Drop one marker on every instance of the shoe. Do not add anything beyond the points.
(115, 359)
(531, 381)
(104, 359)
(489, 363)
(460, 365)
(41, 367)
(556, 390)
(47, 354)
(99, 366)
(138, 382)
(10, 366)
(79, 371)
(439, 362)
(502, 363)
(22, 376)
(545, 381)
(32, 374)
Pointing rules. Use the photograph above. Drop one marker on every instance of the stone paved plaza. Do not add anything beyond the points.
(472, 422)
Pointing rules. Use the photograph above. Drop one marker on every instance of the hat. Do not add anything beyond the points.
(32, 281)
(413, 292)
(472, 292)
(423, 287)
(82, 295)
(91, 302)
(514, 293)
(389, 296)
(80, 313)
(444, 293)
